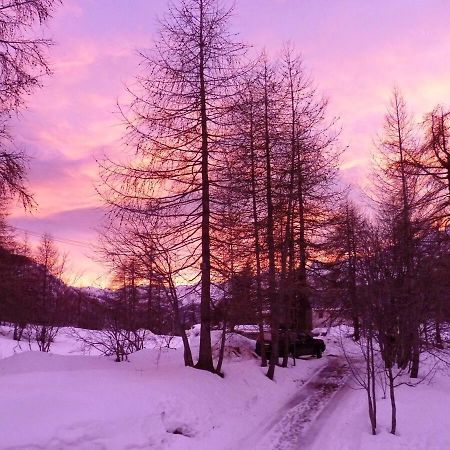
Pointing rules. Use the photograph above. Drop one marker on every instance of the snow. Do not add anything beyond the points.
(423, 421)
(250, 328)
(71, 400)
(423, 415)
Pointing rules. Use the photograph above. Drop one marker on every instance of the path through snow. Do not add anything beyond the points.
(293, 427)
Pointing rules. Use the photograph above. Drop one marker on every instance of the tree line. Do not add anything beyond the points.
(232, 175)
(391, 271)
(233, 167)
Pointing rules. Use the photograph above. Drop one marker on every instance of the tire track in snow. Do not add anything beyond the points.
(291, 432)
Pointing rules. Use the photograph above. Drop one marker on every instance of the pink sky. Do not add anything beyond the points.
(355, 50)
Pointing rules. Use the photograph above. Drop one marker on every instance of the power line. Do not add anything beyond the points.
(57, 238)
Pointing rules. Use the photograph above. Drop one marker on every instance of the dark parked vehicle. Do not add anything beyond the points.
(300, 344)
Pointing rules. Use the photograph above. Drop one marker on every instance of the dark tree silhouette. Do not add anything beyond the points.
(177, 124)
(22, 64)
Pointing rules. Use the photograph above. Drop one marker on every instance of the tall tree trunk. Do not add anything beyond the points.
(287, 258)
(368, 387)
(222, 349)
(352, 256)
(188, 360)
(304, 307)
(270, 237)
(256, 237)
(150, 293)
(439, 343)
(415, 359)
(205, 361)
(374, 381)
(392, 397)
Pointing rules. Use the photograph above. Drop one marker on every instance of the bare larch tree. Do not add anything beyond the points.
(22, 65)
(176, 125)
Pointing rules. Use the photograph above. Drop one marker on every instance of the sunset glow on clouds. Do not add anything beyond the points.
(355, 51)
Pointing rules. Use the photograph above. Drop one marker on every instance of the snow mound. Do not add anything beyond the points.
(236, 346)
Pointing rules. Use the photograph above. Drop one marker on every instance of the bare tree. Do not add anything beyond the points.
(269, 87)
(22, 55)
(13, 164)
(433, 159)
(345, 249)
(366, 374)
(140, 244)
(22, 64)
(406, 213)
(287, 166)
(249, 182)
(46, 316)
(176, 124)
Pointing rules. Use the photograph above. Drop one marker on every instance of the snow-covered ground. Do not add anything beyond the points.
(423, 413)
(71, 400)
(423, 421)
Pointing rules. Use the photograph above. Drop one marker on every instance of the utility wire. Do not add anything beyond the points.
(57, 239)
